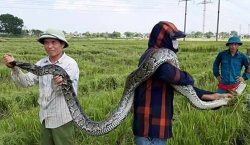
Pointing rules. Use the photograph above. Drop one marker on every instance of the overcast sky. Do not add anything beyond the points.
(129, 15)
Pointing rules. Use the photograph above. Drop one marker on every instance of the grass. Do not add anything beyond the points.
(104, 66)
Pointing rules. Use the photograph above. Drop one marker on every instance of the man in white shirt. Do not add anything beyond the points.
(57, 127)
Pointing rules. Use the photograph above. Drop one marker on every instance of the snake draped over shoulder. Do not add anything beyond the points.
(135, 78)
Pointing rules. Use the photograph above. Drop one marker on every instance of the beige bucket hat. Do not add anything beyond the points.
(53, 33)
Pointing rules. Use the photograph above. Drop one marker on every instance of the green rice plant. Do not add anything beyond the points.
(24, 101)
(3, 107)
(104, 65)
(210, 126)
(98, 106)
(21, 129)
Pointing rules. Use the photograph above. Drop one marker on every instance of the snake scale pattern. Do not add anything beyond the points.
(142, 73)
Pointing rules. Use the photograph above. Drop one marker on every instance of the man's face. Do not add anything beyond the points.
(53, 47)
(233, 47)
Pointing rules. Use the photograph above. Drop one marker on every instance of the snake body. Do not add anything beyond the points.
(134, 79)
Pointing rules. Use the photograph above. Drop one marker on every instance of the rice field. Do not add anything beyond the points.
(104, 65)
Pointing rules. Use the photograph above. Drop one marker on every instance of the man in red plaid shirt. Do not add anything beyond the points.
(153, 102)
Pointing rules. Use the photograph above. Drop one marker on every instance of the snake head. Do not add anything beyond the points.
(13, 64)
(24, 65)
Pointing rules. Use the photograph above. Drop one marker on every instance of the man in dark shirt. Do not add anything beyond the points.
(228, 65)
(153, 102)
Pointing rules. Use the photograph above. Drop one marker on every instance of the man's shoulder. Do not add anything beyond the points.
(42, 61)
(69, 58)
(224, 51)
(243, 54)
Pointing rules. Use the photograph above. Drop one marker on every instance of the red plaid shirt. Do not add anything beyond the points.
(153, 102)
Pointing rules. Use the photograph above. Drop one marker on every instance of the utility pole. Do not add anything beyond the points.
(248, 31)
(204, 14)
(185, 19)
(240, 31)
(218, 19)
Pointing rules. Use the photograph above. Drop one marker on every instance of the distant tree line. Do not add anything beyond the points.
(11, 25)
(210, 34)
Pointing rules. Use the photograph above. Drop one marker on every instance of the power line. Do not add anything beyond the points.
(135, 6)
(88, 10)
(241, 6)
(131, 6)
(100, 3)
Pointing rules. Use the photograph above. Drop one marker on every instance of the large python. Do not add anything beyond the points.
(142, 73)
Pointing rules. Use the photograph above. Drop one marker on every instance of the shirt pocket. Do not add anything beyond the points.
(225, 63)
(46, 80)
(237, 64)
(225, 67)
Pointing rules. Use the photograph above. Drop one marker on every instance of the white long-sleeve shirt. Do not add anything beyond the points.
(53, 107)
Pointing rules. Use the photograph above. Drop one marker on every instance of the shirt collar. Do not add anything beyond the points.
(237, 52)
(59, 61)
